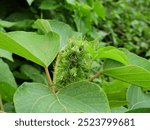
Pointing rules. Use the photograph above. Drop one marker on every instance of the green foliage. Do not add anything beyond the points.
(131, 74)
(40, 49)
(6, 54)
(85, 48)
(85, 13)
(116, 92)
(127, 24)
(33, 73)
(65, 32)
(108, 52)
(136, 72)
(72, 98)
(49, 5)
(7, 82)
(138, 100)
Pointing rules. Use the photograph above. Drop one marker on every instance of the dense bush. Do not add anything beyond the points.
(122, 23)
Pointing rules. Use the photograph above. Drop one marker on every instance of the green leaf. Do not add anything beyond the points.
(139, 110)
(137, 72)
(6, 54)
(41, 49)
(131, 74)
(113, 53)
(42, 25)
(19, 24)
(99, 9)
(7, 91)
(137, 60)
(109, 52)
(109, 64)
(7, 82)
(137, 99)
(33, 73)
(72, 2)
(6, 24)
(65, 31)
(116, 93)
(119, 110)
(148, 53)
(6, 75)
(49, 5)
(77, 97)
(30, 2)
(9, 108)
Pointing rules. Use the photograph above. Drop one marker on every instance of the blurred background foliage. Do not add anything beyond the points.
(121, 23)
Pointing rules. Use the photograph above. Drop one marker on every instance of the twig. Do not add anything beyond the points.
(49, 79)
(95, 76)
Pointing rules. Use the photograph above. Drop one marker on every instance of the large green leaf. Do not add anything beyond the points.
(7, 82)
(137, 99)
(77, 97)
(65, 31)
(40, 49)
(131, 74)
(137, 71)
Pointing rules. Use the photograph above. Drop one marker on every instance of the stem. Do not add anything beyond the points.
(50, 83)
(56, 68)
(41, 15)
(1, 104)
(95, 76)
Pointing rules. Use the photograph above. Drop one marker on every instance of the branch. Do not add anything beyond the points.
(95, 76)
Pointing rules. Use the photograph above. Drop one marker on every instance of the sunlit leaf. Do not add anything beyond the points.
(41, 49)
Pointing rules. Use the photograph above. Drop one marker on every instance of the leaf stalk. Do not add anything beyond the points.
(50, 82)
(95, 76)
